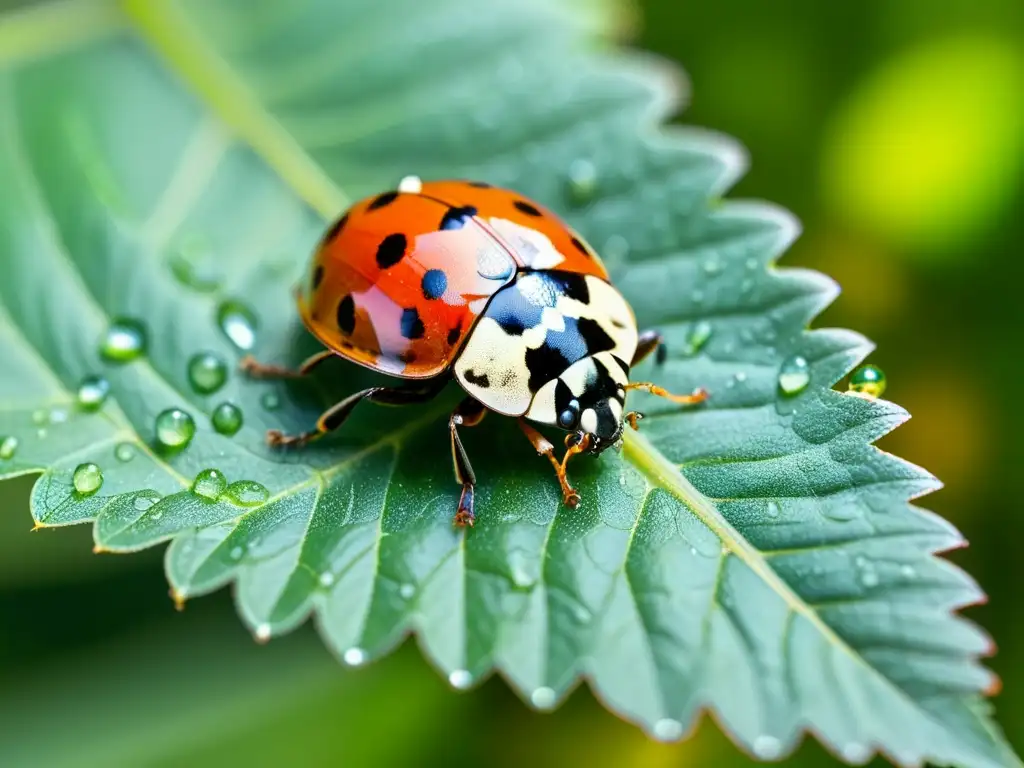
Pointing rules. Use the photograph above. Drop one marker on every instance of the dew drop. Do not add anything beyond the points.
(668, 729)
(697, 296)
(698, 337)
(869, 579)
(741, 376)
(519, 570)
(174, 429)
(773, 509)
(767, 747)
(868, 381)
(262, 633)
(855, 753)
(712, 266)
(206, 372)
(794, 375)
(145, 500)
(543, 697)
(246, 493)
(751, 263)
(236, 553)
(41, 433)
(407, 591)
(125, 340)
(908, 571)
(40, 417)
(460, 679)
(326, 579)
(124, 452)
(227, 419)
(354, 657)
(87, 479)
(210, 484)
(92, 393)
(270, 400)
(582, 181)
(187, 270)
(238, 323)
(58, 416)
(8, 447)
(841, 513)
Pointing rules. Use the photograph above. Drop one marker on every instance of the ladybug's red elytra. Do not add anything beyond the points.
(463, 280)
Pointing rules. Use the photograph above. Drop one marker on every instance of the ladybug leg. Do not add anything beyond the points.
(335, 416)
(258, 370)
(699, 395)
(544, 447)
(469, 413)
(647, 342)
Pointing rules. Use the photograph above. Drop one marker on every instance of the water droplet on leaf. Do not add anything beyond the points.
(773, 509)
(238, 323)
(582, 181)
(262, 633)
(87, 479)
(145, 500)
(767, 747)
(210, 484)
(270, 400)
(698, 336)
(668, 729)
(124, 341)
(236, 553)
(543, 697)
(246, 493)
(207, 372)
(407, 591)
(124, 452)
(227, 419)
(8, 447)
(354, 657)
(460, 679)
(92, 393)
(326, 579)
(794, 375)
(174, 429)
(868, 381)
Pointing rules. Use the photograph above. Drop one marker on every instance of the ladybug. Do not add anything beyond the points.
(464, 280)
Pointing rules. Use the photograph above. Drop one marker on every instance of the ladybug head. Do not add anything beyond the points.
(587, 399)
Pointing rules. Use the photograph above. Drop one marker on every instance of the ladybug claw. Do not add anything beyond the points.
(572, 500)
(278, 439)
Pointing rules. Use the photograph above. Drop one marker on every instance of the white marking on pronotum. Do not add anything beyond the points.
(411, 184)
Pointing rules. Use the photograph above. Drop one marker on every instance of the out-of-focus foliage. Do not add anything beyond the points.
(871, 242)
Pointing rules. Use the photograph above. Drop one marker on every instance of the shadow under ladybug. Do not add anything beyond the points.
(462, 280)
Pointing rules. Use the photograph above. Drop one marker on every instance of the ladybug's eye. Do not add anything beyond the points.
(567, 418)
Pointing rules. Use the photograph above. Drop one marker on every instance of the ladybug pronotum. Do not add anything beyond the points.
(463, 280)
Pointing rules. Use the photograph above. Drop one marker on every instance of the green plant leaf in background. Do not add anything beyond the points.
(172, 164)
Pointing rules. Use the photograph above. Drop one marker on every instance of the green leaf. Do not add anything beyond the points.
(757, 556)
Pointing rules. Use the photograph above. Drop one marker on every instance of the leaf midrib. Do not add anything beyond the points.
(170, 32)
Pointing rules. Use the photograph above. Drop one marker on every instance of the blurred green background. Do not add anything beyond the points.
(894, 129)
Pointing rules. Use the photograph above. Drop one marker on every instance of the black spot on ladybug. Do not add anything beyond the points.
(434, 283)
(411, 325)
(478, 379)
(596, 338)
(347, 315)
(335, 229)
(660, 354)
(381, 200)
(318, 277)
(480, 184)
(581, 247)
(573, 285)
(525, 207)
(544, 363)
(391, 250)
(456, 218)
(407, 357)
(453, 336)
(621, 363)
